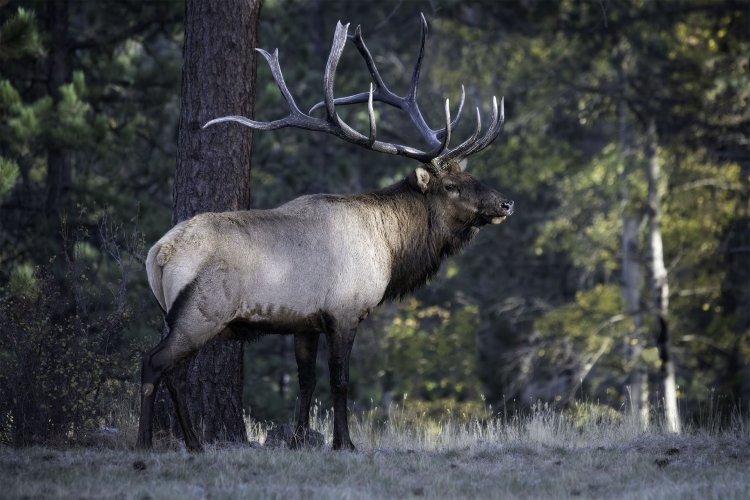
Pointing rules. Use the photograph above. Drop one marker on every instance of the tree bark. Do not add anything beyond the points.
(213, 175)
(659, 282)
(631, 291)
(740, 262)
(736, 293)
(58, 73)
(631, 283)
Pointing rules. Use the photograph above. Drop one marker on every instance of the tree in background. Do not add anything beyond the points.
(69, 269)
(213, 175)
(691, 50)
(19, 37)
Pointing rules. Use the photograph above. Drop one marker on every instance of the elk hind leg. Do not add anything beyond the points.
(305, 351)
(157, 363)
(176, 391)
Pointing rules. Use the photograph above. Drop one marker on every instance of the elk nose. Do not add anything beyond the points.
(507, 206)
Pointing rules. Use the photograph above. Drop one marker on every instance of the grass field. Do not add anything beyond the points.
(542, 455)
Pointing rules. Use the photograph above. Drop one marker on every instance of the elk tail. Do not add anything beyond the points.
(154, 272)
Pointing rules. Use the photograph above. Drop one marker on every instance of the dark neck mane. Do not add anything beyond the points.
(416, 236)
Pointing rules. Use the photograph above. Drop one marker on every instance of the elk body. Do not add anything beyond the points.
(318, 264)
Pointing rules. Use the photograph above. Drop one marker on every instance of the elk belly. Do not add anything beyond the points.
(498, 220)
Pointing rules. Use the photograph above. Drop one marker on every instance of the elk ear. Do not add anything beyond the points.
(463, 164)
(420, 178)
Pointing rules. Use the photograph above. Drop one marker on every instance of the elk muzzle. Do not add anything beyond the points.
(506, 209)
(495, 210)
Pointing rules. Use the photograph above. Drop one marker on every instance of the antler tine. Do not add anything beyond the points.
(276, 124)
(341, 128)
(383, 94)
(410, 100)
(448, 126)
(458, 113)
(435, 164)
(278, 76)
(460, 150)
(337, 48)
(359, 42)
(371, 116)
(295, 119)
(448, 129)
(496, 125)
(412, 95)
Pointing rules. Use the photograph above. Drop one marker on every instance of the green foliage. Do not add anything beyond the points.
(585, 415)
(62, 361)
(581, 337)
(8, 175)
(430, 352)
(592, 320)
(19, 36)
(72, 116)
(587, 224)
(23, 282)
(8, 95)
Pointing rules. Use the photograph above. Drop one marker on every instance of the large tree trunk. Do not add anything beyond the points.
(59, 178)
(659, 282)
(58, 74)
(213, 175)
(632, 282)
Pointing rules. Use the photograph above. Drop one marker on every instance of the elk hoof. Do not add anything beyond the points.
(345, 446)
(194, 447)
(143, 444)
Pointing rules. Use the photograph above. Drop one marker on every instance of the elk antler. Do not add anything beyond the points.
(438, 157)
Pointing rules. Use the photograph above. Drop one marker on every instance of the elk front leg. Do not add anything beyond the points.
(306, 352)
(340, 344)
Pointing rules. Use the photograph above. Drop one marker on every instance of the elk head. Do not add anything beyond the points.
(462, 200)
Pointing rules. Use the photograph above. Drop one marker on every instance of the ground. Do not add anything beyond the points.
(544, 456)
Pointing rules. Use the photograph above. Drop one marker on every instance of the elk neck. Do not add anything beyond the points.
(415, 234)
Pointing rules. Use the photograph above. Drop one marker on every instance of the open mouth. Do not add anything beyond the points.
(500, 217)
(496, 218)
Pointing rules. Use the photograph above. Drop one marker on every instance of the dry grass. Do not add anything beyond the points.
(542, 455)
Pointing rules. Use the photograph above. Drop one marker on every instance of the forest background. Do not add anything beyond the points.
(621, 119)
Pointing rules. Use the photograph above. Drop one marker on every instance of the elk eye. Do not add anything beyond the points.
(452, 189)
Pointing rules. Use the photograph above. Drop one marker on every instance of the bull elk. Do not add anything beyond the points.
(320, 263)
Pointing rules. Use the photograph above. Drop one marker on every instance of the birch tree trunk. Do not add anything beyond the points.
(632, 282)
(736, 292)
(659, 283)
(213, 175)
(741, 263)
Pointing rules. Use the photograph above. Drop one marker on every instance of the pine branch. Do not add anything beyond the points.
(19, 36)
